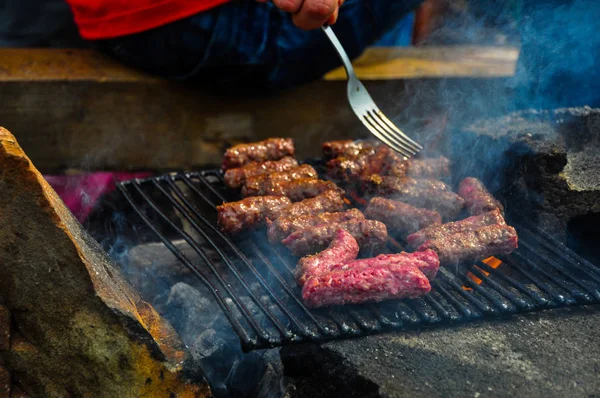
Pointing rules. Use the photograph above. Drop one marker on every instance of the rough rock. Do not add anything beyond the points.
(84, 331)
(545, 163)
(545, 354)
(5, 384)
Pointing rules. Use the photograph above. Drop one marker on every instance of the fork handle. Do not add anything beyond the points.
(340, 50)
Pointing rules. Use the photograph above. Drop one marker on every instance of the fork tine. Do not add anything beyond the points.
(390, 135)
(376, 130)
(391, 125)
(364, 107)
(372, 127)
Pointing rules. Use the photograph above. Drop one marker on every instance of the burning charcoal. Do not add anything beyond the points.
(477, 198)
(249, 213)
(342, 248)
(270, 149)
(271, 183)
(270, 385)
(284, 226)
(365, 284)
(217, 353)
(401, 218)
(370, 234)
(491, 240)
(235, 178)
(191, 309)
(468, 224)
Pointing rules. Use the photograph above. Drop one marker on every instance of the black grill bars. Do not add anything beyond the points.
(253, 284)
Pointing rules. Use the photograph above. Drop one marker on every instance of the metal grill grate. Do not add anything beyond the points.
(252, 281)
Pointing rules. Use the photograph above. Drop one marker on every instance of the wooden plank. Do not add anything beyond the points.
(101, 116)
(432, 62)
(377, 63)
(17, 64)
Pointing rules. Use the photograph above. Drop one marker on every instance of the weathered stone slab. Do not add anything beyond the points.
(5, 389)
(546, 354)
(545, 163)
(85, 330)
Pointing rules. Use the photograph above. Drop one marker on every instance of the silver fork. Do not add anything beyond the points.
(365, 109)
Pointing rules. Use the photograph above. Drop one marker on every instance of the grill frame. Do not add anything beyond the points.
(254, 270)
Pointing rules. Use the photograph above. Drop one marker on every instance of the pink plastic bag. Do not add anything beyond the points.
(80, 192)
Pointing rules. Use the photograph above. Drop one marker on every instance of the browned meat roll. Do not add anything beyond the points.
(347, 148)
(477, 198)
(427, 194)
(269, 184)
(468, 224)
(235, 217)
(269, 149)
(370, 235)
(327, 202)
(235, 178)
(284, 226)
(297, 190)
(421, 168)
(401, 218)
(491, 240)
(369, 161)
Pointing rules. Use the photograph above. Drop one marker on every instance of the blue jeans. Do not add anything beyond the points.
(244, 45)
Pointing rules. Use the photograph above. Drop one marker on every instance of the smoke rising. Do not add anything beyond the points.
(558, 66)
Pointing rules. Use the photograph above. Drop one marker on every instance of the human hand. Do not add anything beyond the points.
(310, 14)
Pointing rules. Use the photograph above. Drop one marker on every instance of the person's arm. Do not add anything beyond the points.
(310, 14)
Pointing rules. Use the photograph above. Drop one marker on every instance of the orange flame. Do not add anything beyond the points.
(492, 262)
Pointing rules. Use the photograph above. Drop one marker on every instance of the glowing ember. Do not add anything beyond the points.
(492, 262)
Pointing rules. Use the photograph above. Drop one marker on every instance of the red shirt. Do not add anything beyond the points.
(105, 19)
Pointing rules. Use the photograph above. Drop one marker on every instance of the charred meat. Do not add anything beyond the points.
(342, 248)
(369, 161)
(477, 198)
(388, 185)
(269, 149)
(304, 188)
(284, 226)
(235, 178)
(421, 168)
(428, 194)
(347, 148)
(268, 184)
(491, 240)
(365, 284)
(426, 261)
(401, 218)
(327, 202)
(370, 235)
(468, 224)
(249, 213)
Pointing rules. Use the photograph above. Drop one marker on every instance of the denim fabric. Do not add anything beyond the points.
(246, 45)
